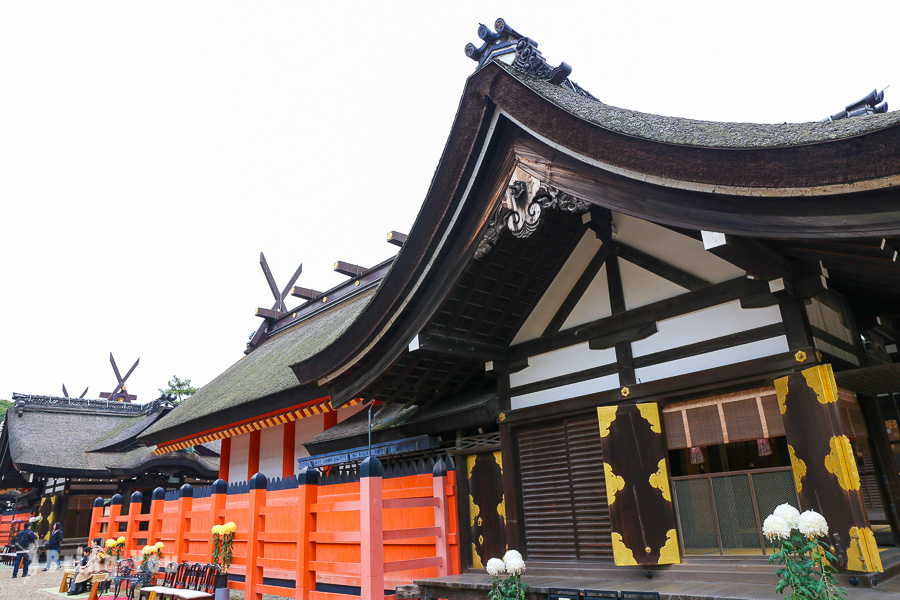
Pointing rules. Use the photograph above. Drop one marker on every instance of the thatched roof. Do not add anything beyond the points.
(694, 132)
(87, 441)
(263, 374)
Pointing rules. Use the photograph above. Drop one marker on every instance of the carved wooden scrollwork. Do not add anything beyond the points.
(522, 209)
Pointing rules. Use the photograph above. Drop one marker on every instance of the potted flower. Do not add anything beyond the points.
(223, 542)
(807, 569)
(115, 547)
(150, 557)
(512, 587)
(33, 523)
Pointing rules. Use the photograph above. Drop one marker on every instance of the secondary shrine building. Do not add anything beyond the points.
(635, 335)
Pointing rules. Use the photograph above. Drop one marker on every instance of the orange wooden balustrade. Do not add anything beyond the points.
(6, 520)
(309, 537)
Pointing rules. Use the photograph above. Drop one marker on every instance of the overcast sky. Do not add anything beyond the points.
(150, 150)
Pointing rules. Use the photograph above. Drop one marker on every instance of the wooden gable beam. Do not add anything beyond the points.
(396, 238)
(578, 290)
(747, 254)
(632, 334)
(719, 293)
(434, 343)
(305, 293)
(348, 269)
(659, 267)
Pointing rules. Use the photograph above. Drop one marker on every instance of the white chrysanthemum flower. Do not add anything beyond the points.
(776, 528)
(515, 566)
(495, 567)
(812, 524)
(510, 555)
(790, 514)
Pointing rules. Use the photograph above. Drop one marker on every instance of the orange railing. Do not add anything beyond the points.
(345, 534)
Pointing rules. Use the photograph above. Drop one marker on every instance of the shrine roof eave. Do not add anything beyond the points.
(714, 163)
(260, 382)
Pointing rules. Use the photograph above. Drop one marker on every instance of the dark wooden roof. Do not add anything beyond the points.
(824, 182)
(79, 439)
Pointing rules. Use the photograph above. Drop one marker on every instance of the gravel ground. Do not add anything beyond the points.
(27, 588)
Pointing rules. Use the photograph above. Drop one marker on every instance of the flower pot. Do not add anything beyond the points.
(222, 587)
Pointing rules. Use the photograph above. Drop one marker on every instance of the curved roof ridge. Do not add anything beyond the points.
(684, 131)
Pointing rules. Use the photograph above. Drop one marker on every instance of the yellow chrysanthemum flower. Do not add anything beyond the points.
(121, 541)
(159, 545)
(110, 543)
(148, 550)
(217, 529)
(229, 527)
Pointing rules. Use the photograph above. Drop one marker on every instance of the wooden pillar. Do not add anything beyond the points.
(824, 466)
(255, 545)
(115, 511)
(883, 457)
(371, 529)
(330, 419)
(134, 511)
(442, 518)
(157, 505)
(183, 524)
(287, 450)
(219, 496)
(509, 453)
(307, 490)
(225, 459)
(96, 515)
(253, 455)
(638, 489)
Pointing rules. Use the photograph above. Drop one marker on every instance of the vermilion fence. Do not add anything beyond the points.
(350, 533)
(6, 520)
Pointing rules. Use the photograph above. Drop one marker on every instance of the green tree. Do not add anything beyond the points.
(178, 389)
(6, 404)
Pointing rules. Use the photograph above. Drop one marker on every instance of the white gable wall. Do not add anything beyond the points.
(271, 443)
(240, 458)
(640, 287)
(562, 284)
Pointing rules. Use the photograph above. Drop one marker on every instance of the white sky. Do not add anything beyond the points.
(150, 150)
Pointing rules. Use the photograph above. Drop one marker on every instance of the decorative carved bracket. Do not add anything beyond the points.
(522, 209)
(528, 58)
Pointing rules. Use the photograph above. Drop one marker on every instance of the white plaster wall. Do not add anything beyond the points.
(594, 304)
(240, 458)
(706, 324)
(305, 429)
(562, 362)
(641, 287)
(678, 250)
(710, 360)
(562, 284)
(271, 443)
(565, 392)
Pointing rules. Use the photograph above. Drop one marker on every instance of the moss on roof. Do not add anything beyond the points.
(267, 370)
(707, 134)
(61, 441)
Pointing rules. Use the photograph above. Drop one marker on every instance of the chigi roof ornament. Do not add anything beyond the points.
(525, 55)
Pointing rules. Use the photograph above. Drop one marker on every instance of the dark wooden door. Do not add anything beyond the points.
(487, 509)
(824, 464)
(637, 485)
(563, 494)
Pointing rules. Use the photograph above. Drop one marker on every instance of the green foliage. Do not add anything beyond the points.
(807, 569)
(4, 405)
(179, 389)
(510, 588)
